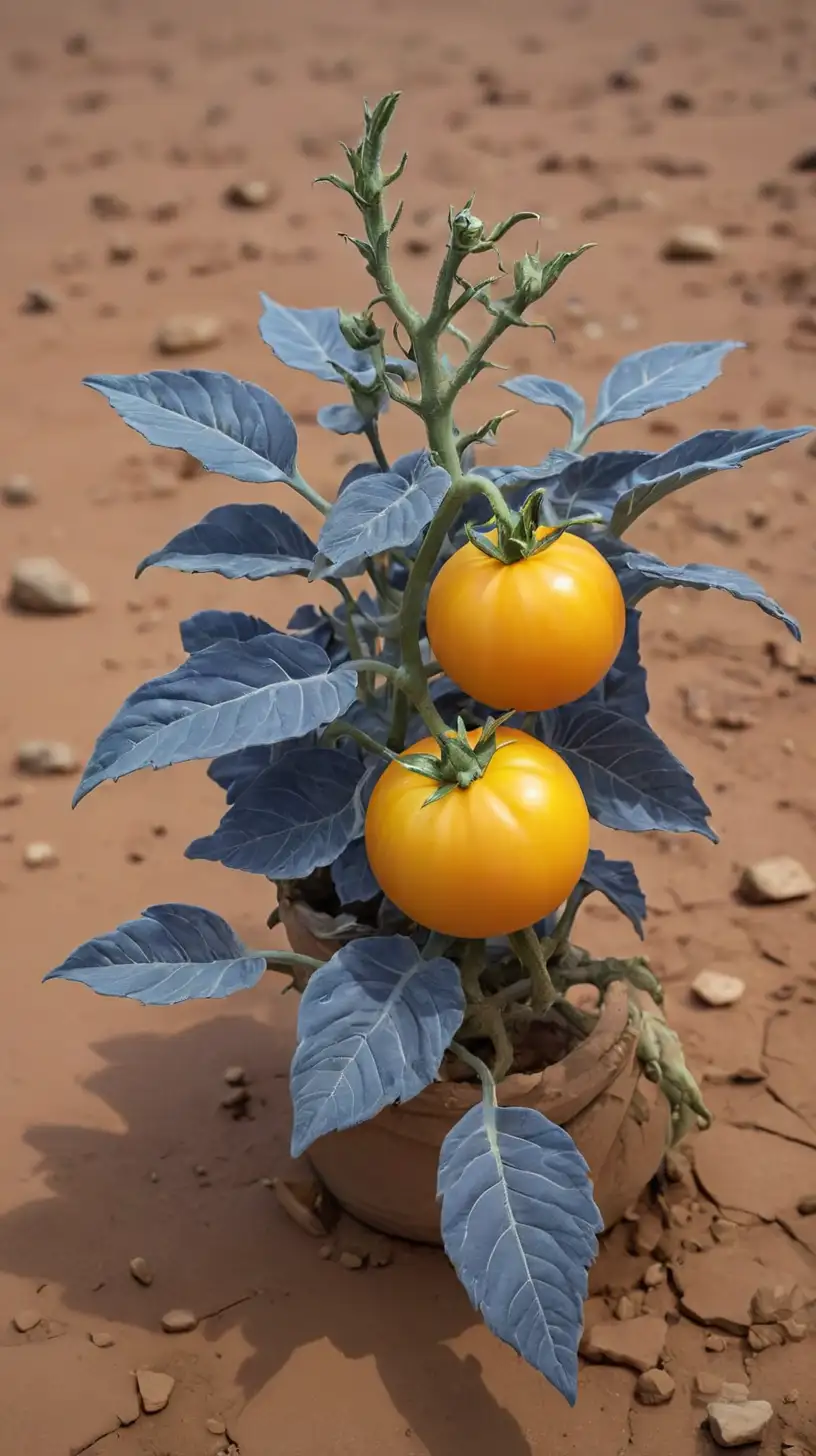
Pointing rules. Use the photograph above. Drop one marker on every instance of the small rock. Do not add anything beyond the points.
(638, 1343)
(723, 1230)
(300, 1200)
(772, 881)
(762, 1337)
(625, 1309)
(235, 1077)
(693, 244)
(655, 1275)
(714, 988)
(236, 1101)
(805, 161)
(774, 1302)
(128, 1408)
(807, 1205)
(654, 1387)
(707, 1384)
(734, 1391)
(646, 1234)
(40, 584)
(141, 1271)
(25, 1320)
(716, 1344)
(794, 1329)
(102, 1339)
(249, 194)
(186, 333)
(39, 855)
(43, 756)
(107, 206)
(786, 654)
(350, 1260)
(155, 1389)
(678, 1167)
(178, 1321)
(739, 1425)
(216, 1427)
(38, 300)
(18, 491)
(120, 250)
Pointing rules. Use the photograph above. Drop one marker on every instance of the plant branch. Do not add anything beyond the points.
(373, 436)
(307, 491)
(529, 950)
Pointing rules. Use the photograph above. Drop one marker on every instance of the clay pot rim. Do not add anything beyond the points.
(581, 1076)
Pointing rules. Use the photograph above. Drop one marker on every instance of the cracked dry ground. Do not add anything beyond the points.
(621, 123)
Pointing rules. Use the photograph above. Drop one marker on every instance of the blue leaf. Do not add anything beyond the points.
(629, 777)
(624, 687)
(520, 1227)
(352, 875)
(691, 460)
(653, 378)
(373, 1026)
(358, 472)
(589, 485)
(551, 391)
(379, 512)
(292, 818)
(231, 427)
(204, 628)
(342, 419)
(310, 339)
(236, 541)
(171, 953)
(231, 695)
(234, 772)
(652, 572)
(313, 626)
(616, 879)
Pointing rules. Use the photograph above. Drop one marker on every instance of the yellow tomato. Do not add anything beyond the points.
(532, 635)
(486, 860)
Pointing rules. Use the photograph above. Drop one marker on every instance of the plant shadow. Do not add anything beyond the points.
(175, 1179)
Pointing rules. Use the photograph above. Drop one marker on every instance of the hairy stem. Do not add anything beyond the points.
(372, 432)
(529, 950)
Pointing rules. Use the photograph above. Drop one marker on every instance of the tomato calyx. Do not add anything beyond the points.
(517, 537)
(459, 763)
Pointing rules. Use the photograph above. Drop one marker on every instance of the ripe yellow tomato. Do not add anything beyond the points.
(530, 636)
(486, 860)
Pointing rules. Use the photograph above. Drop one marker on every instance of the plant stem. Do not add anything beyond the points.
(482, 1071)
(528, 948)
(377, 666)
(312, 496)
(399, 722)
(470, 969)
(284, 958)
(340, 729)
(373, 435)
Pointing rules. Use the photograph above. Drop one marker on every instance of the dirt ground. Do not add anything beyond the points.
(619, 122)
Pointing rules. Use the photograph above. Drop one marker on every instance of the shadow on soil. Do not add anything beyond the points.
(218, 1243)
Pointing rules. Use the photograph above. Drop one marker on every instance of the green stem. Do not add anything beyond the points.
(340, 729)
(530, 953)
(312, 496)
(377, 666)
(399, 721)
(482, 1071)
(373, 436)
(470, 970)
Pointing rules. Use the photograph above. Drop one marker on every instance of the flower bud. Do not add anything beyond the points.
(466, 229)
(360, 331)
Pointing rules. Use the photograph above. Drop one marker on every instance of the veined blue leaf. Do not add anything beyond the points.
(616, 879)
(590, 484)
(231, 427)
(171, 953)
(653, 378)
(358, 472)
(234, 772)
(310, 339)
(292, 818)
(629, 778)
(231, 695)
(204, 628)
(373, 1026)
(624, 687)
(251, 542)
(520, 1226)
(341, 419)
(550, 391)
(651, 572)
(379, 512)
(691, 460)
(352, 875)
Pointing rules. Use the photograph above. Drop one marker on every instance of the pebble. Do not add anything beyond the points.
(625, 1308)
(655, 1275)
(805, 161)
(141, 1271)
(807, 1205)
(772, 881)
(216, 1427)
(773, 1302)
(762, 1337)
(716, 1344)
(235, 1077)
(38, 300)
(178, 1321)
(678, 1166)
(646, 1234)
(693, 244)
(185, 333)
(40, 584)
(638, 1342)
(654, 1387)
(298, 1200)
(18, 491)
(794, 1329)
(25, 1320)
(350, 1260)
(155, 1389)
(236, 1100)
(739, 1425)
(39, 855)
(102, 1339)
(44, 756)
(714, 988)
(255, 193)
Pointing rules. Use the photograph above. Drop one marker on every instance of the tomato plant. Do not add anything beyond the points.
(490, 859)
(529, 634)
(362, 776)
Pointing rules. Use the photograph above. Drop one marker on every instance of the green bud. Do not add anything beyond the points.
(360, 331)
(466, 230)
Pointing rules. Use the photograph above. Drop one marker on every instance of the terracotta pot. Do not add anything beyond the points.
(384, 1171)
